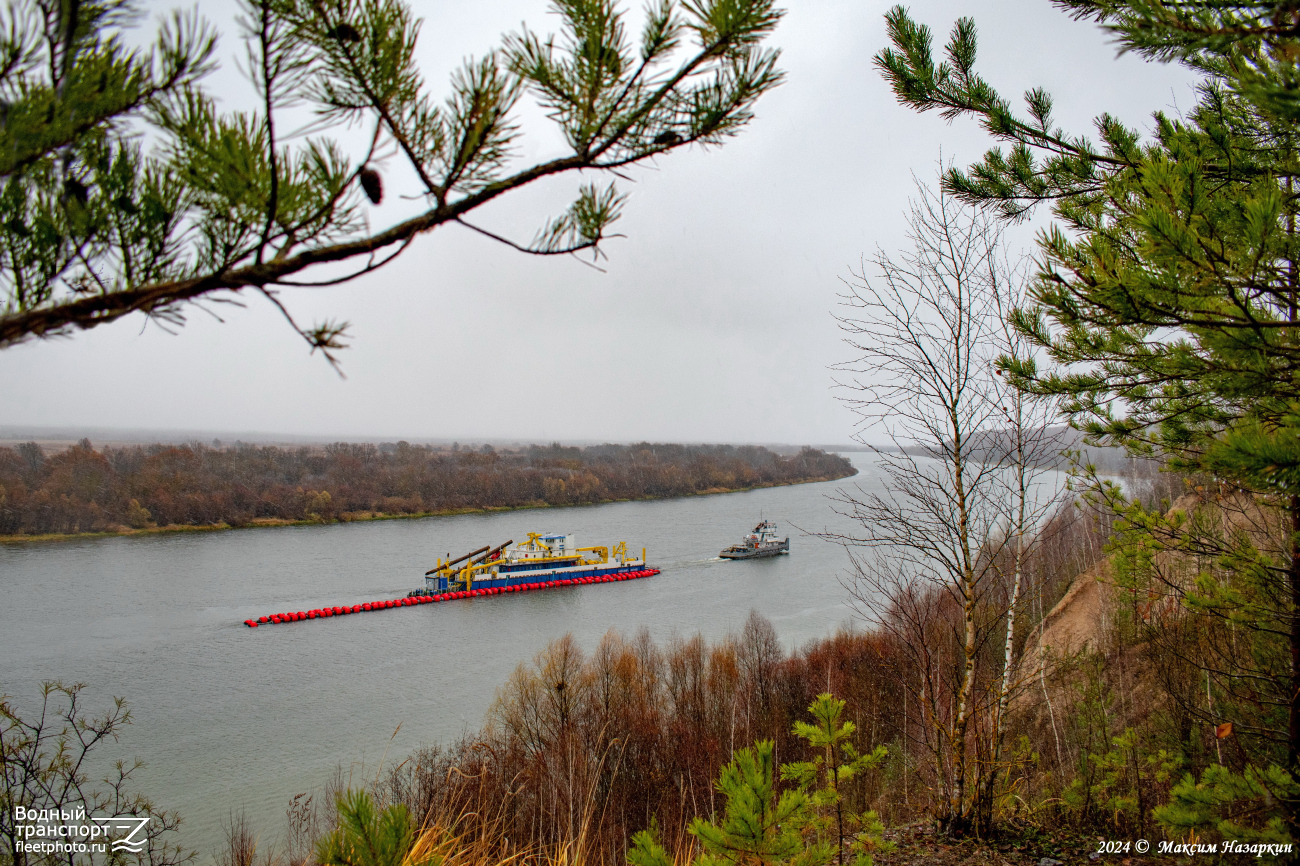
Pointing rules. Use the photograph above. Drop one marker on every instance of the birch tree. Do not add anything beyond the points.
(930, 557)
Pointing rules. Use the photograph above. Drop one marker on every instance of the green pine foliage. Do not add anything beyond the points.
(836, 762)
(1115, 783)
(758, 827)
(126, 187)
(1191, 232)
(1168, 301)
(369, 836)
(804, 825)
(1241, 806)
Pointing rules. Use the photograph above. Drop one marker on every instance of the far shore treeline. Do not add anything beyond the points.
(82, 489)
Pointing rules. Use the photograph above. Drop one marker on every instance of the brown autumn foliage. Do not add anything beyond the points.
(585, 747)
(593, 745)
(83, 489)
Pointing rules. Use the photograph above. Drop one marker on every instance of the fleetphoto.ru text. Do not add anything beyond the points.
(71, 831)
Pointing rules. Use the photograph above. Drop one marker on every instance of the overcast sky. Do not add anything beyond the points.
(713, 320)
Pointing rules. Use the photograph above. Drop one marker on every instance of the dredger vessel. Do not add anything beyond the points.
(541, 559)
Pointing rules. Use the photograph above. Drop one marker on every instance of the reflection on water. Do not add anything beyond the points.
(227, 716)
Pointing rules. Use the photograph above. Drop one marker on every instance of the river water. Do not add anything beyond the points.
(228, 717)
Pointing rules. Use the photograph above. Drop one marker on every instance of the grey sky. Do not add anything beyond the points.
(713, 319)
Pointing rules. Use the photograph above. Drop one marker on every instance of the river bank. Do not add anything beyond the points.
(361, 516)
(82, 492)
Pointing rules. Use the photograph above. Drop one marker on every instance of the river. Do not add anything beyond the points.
(228, 717)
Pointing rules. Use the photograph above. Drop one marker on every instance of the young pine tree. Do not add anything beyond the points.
(758, 828)
(836, 764)
(369, 836)
(807, 825)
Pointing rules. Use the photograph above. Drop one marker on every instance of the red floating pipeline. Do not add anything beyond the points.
(321, 613)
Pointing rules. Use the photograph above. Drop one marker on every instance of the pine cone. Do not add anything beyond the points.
(74, 189)
(372, 184)
(344, 32)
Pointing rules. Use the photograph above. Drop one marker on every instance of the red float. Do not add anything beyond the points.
(427, 598)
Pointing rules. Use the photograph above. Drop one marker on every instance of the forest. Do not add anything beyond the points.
(81, 489)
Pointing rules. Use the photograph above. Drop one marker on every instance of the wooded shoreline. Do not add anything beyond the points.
(85, 493)
(362, 517)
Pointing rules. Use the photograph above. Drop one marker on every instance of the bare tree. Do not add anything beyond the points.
(938, 560)
(1030, 452)
(241, 848)
(44, 764)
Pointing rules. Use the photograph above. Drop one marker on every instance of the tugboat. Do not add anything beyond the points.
(761, 542)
